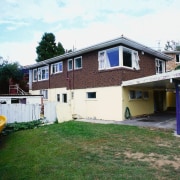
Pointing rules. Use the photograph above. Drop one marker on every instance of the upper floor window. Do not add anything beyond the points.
(177, 58)
(78, 63)
(130, 58)
(70, 64)
(35, 75)
(118, 57)
(57, 68)
(160, 66)
(43, 73)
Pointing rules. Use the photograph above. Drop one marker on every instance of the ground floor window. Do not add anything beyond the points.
(44, 92)
(138, 94)
(64, 98)
(91, 95)
(58, 97)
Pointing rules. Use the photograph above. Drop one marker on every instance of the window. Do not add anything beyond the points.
(111, 58)
(70, 64)
(91, 95)
(34, 75)
(64, 98)
(145, 94)
(43, 73)
(14, 101)
(137, 94)
(130, 58)
(58, 97)
(132, 94)
(57, 68)
(177, 58)
(160, 66)
(78, 63)
(44, 92)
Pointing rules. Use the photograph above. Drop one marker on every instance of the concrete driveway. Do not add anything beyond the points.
(165, 120)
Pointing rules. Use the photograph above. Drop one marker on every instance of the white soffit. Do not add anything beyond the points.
(164, 80)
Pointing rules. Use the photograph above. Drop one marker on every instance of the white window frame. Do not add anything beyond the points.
(75, 62)
(64, 98)
(44, 92)
(35, 75)
(70, 60)
(138, 95)
(43, 73)
(89, 95)
(57, 68)
(158, 63)
(134, 58)
(178, 59)
(104, 63)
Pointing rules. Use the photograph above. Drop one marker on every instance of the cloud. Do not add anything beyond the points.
(83, 23)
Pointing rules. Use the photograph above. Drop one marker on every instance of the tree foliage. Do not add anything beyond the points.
(47, 48)
(172, 46)
(9, 71)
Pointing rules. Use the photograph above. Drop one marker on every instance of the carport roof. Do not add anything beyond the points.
(159, 81)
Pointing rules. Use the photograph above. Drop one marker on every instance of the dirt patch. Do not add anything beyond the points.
(155, 160)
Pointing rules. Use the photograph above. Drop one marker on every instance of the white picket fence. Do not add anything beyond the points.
(28, 112)
(20, 112)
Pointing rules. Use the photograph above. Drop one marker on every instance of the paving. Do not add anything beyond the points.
(164, 120)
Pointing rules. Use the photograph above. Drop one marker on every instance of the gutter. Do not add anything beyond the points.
(118, 41)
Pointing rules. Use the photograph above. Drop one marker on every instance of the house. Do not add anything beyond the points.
(171, 65)
(110, 80)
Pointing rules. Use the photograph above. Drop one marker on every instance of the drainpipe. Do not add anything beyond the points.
(177, 85)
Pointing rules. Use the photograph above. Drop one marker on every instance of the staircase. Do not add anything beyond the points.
(15, 89)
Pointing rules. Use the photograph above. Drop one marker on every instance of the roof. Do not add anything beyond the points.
(171, 52)
(121, 40)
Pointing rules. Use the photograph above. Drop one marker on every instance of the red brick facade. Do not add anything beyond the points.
(89, 76)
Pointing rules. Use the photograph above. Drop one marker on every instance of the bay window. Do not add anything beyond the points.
(118, 57)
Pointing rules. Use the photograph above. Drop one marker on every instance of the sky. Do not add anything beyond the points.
(82, 23)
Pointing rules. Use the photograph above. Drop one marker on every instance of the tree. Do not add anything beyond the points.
(47, 47)
(172, 46)
(9, 71)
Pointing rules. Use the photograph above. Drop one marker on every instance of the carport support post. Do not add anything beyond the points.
(177, 85)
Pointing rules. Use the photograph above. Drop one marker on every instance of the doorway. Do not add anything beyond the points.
(159, 100)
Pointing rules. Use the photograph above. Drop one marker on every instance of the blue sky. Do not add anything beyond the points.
(81, 23)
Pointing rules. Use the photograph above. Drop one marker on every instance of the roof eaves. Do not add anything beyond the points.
(121, 40)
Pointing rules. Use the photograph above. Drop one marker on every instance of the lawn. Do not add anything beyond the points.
(79, 150)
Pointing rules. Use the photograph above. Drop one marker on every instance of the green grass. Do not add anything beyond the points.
(79, 150)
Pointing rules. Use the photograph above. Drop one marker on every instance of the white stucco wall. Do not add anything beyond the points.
(107, 105)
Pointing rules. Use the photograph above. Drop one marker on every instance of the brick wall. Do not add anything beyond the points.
(170, 65)
(89, 76)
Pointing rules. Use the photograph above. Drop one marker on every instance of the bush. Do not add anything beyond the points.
(12, 127)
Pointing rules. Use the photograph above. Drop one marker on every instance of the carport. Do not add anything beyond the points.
(169, 81)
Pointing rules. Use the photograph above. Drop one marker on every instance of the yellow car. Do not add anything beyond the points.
(3, 121)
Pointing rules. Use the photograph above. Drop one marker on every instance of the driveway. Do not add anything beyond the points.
(165, 120)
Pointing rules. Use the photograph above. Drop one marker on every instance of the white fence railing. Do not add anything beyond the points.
(20, 112)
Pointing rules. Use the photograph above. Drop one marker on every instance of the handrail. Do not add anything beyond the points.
(17, 88)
